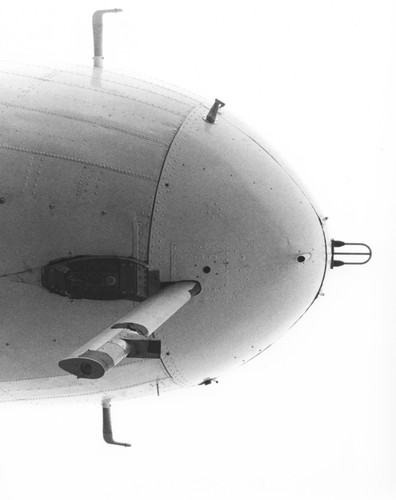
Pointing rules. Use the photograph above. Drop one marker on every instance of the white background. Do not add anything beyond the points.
(313, 417)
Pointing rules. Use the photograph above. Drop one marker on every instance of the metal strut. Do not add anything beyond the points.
(132, 335)
(107, 429)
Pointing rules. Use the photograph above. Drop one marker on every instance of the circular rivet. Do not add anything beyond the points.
(2, 200)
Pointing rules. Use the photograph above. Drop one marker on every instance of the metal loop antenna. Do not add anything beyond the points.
(362, 257)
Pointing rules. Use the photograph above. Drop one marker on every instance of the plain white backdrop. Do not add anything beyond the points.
(314, 417)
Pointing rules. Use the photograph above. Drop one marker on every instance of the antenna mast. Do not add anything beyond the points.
(97, 26)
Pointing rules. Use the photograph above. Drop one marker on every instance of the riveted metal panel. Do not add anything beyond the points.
(56, 207)
(79, 164)
(220, 187)
(80, 159)
(95, 97)
(137, 378)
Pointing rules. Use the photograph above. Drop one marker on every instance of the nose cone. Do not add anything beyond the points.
(229, 215)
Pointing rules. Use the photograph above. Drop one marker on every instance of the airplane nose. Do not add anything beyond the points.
(230, 216)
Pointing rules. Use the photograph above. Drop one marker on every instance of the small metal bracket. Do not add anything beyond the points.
(335, 244)
(212, 115)
(107, 429)
(144, 349)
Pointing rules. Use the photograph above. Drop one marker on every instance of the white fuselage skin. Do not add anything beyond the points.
(97, 163)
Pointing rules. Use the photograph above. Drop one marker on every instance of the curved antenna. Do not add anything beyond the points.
(97, 26)
(107, 429)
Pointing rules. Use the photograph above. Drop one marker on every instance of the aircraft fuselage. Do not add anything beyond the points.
(95, 163)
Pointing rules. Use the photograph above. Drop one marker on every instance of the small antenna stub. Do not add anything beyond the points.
(212, 115)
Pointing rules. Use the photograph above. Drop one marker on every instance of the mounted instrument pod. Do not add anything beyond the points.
(130, 336)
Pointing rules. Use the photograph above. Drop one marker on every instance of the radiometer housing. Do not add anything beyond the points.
(100, 278)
